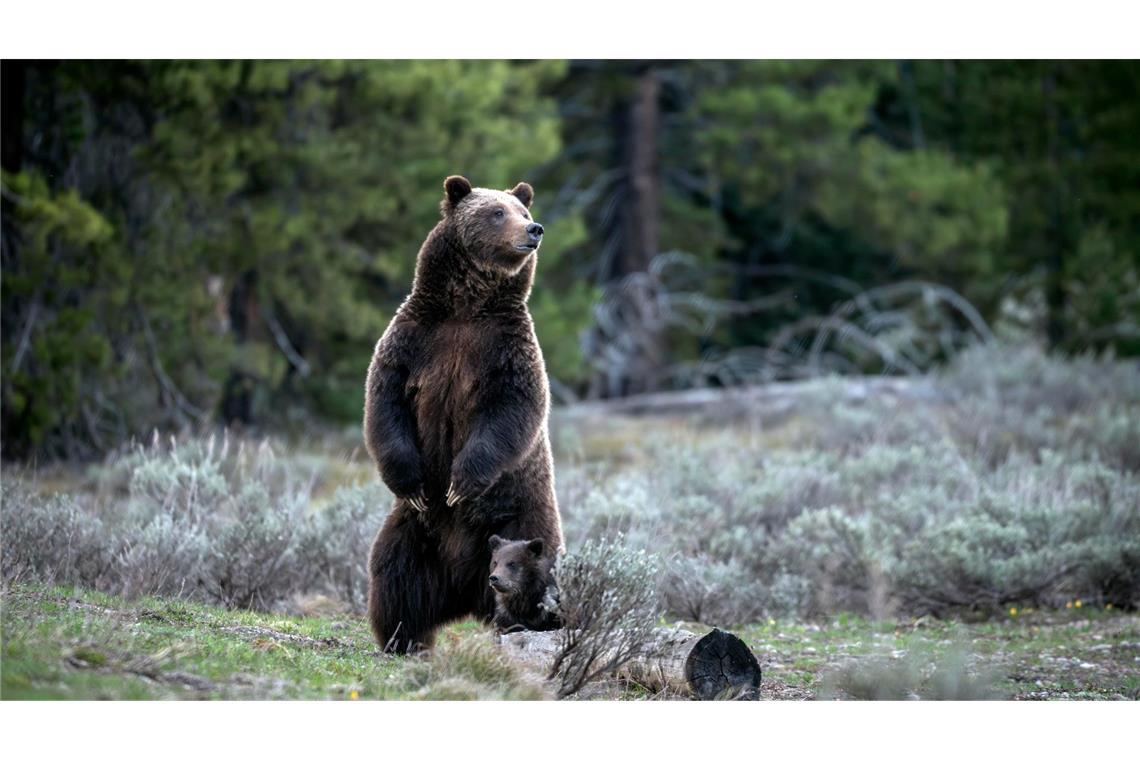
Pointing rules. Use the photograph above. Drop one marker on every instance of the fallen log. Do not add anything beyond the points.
(705, 666)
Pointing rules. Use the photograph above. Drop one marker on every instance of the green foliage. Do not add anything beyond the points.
(240, 232)
(560, 303)
(806, 152)
(936, 216)
(192, 240)
(796, 120)
(1061, 136)
(66, 252)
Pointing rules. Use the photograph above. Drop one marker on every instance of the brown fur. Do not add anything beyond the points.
(522, 578)
(456, 409)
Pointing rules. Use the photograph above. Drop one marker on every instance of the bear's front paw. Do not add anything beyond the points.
(457, 493)
(470, 476)
(417, 501)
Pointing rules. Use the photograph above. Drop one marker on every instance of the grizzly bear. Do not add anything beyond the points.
(455, 418)
(522, 578)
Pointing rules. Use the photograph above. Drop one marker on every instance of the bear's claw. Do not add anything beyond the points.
(453, 496)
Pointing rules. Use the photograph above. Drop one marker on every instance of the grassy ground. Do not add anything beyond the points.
(1064, 654)
(62, 643)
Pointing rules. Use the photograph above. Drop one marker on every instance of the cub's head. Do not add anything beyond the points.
(494, 226)
(517, 565)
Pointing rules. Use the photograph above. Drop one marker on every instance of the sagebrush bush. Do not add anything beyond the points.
(717, 592)
(608, 606)
(1012, 478)
(199, 519)
(53, 539)
(1025, 378)
(164, 558)
(917, 675)
(333, 550)
(252, 558)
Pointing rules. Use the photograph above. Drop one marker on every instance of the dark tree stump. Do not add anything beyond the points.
(720, 663)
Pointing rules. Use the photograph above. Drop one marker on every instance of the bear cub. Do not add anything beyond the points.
(522, 577)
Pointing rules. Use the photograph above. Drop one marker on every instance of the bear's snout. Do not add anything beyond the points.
(535, 231)
(501, 585)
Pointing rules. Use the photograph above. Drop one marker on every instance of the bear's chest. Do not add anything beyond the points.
(443, 387)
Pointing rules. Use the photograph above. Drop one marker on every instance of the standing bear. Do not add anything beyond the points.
(455, 417)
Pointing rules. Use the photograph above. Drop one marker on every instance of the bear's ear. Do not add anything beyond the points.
(495, 542)
(524, 193)
(456, 188)
(536, 546)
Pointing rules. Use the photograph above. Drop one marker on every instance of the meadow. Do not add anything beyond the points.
(973, 533)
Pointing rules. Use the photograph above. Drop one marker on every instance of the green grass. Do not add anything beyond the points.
(66, 643)
(61, 643)
(1058, 654)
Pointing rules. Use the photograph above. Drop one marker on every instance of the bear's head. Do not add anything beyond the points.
(493, 226)
(518, 566)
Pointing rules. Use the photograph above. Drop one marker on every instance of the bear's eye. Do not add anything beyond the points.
(510, 565)
(499, 213)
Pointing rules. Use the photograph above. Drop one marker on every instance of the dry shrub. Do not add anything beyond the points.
(1012, 479)
(463, 669)
(609, 611)
(910, 676)
(203, 519)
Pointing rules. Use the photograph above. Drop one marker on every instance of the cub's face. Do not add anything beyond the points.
(494, 225)
(515, 565)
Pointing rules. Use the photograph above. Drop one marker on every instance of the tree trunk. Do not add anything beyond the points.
(910, 88)
(237, 395)
(12, 76)
(703, 666)
(644, 218)
(632, 233)
(1061, 237)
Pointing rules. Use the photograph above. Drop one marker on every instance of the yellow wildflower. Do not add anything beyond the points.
(1013, 612)
(1108, 606)
(1077, 604)
(1068, 605)
(354, 694)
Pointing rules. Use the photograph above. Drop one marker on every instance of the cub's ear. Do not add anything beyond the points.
(456, 188)
(536, 546)
(495, 542)
(524, 193)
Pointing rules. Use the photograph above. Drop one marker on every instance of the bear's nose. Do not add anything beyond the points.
(534, 230)
(494, 579)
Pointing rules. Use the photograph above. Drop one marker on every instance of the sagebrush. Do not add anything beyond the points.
(1010, 479)
(209, 520)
